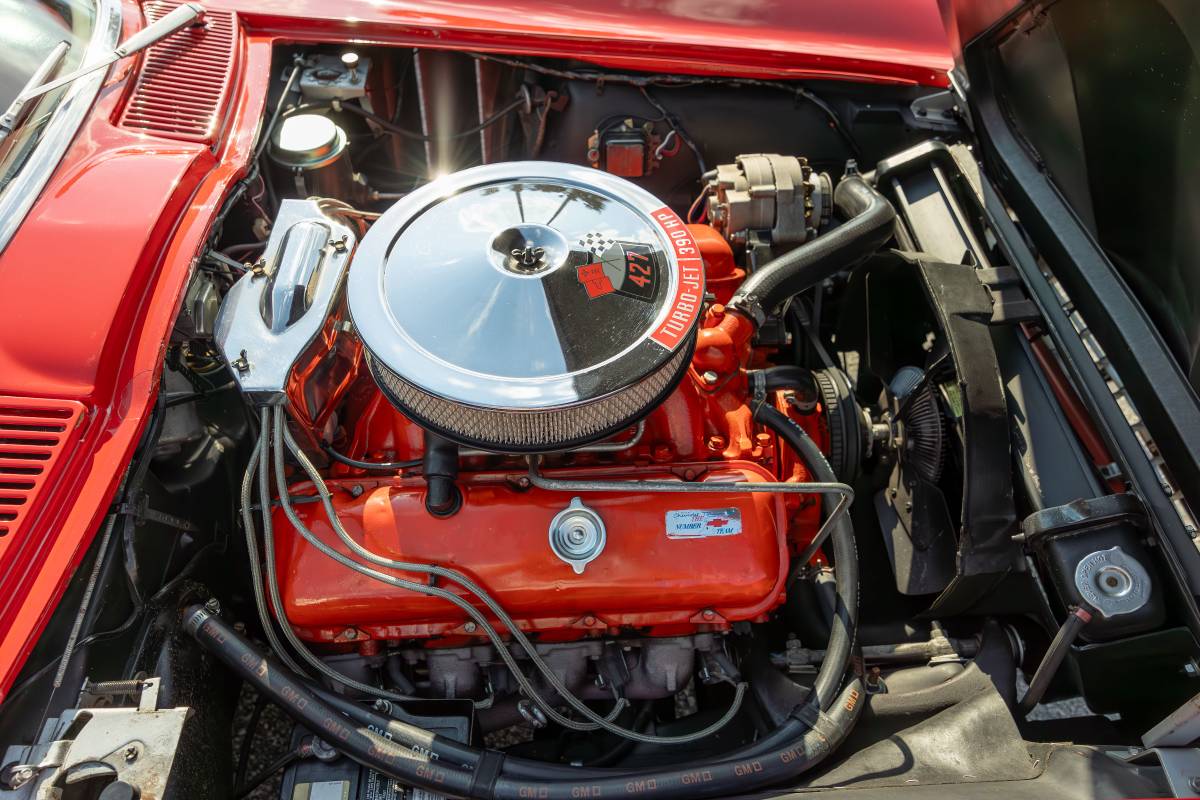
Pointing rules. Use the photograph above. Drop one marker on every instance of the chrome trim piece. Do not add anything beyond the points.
(24, 189)
(273, 313)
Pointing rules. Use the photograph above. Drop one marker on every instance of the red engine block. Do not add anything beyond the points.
(645, 579)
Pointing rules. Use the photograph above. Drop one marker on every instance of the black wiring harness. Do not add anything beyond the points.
(645, 82)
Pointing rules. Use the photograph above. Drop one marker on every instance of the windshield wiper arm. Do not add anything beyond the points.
(12, 115)
(180, 17)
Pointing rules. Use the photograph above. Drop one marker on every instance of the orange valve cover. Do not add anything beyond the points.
(671, 562)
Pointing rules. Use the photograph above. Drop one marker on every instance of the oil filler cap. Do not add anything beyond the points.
(577, 535)
(527, 306)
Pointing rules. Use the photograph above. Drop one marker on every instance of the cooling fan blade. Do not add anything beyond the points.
(915, 519)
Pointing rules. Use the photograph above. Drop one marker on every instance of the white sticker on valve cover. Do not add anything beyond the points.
(700, 523)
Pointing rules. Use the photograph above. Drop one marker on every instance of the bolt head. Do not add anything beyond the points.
(470, 627)
(710, 377)
(131, 754)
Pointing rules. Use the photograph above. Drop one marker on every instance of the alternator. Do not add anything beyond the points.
(772, 195)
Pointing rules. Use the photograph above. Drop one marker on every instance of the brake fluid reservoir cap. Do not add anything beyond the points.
(527, 306)
(307, 141)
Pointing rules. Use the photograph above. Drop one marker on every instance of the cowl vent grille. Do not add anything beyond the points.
(33, 434)
(185, 80)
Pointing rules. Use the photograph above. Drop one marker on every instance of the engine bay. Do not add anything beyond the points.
(632, 433)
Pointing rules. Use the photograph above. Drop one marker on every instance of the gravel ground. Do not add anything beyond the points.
(1060, 709)
(272, 738)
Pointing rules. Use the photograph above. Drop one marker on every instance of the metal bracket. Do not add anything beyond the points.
(1179, 729)
(139, 509)
(100, 744)
(1180, 765)
(1010, 303)
(936, 112)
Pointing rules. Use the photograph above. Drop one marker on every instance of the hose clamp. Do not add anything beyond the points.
(196, 620)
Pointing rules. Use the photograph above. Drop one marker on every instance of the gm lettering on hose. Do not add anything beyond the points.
(689, 291)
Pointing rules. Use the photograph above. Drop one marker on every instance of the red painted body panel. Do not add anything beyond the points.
(500, 538)
(34, 434)
(966, 19)
(92, 281)
(89, 288)
(883, 40)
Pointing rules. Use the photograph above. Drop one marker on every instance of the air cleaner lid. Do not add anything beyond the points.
(525, 286)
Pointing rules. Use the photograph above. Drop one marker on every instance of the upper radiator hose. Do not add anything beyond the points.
(869, 220)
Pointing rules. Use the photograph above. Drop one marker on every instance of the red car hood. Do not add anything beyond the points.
(92, 281)
(888, 40)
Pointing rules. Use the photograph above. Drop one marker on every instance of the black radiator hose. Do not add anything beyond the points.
(805, 737)
(487, 781)
(869, 222)
(450, 751)
(844, 626)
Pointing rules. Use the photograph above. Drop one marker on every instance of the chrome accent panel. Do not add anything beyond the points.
(275, 311)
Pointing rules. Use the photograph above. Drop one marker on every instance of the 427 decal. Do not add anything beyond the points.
(627, 268)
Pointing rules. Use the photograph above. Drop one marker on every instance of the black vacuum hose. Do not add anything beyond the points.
(869, 222)
(452, 752)
(825, 731)
(844, 626)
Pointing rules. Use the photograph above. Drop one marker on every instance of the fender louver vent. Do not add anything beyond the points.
(33, 434)
(182, 89)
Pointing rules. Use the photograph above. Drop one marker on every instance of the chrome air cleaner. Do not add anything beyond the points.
(527, 306)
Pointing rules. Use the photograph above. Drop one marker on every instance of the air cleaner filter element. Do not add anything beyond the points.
(527, 306)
